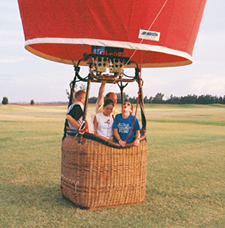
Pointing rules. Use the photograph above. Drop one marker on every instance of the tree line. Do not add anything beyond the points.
(159, 99)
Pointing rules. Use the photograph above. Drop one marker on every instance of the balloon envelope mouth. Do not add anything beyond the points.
(71, 51)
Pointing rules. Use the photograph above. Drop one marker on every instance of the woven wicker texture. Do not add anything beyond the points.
(94, 175)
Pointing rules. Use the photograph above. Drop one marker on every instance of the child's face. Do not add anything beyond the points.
(82, 98)
(127, 107)
(108, 109)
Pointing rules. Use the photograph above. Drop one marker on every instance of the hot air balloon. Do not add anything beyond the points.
(109, 36)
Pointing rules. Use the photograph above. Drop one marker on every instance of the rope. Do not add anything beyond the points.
(143, 39)
(148, 29)
(139, 88)
(135, 117)
(140, 68)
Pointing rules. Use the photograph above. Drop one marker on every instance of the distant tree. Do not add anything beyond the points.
(216, 100)
(82, 87)
(206, 99)
(158, 99)
(32, 102)
(68, 94)
(146, 100)
(92, 100)
(126, 97)
(189, 99)
(173, 100)
(118, 98)
(133, 100)
(5, 100)
(150, 100)
(220, 100)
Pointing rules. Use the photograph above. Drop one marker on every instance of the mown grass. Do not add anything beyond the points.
(185, 178)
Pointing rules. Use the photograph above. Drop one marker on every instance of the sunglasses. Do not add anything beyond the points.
(126, 103)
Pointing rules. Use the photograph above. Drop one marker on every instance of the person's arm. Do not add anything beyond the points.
(137, 138)
(117, 136)
(74, 115)
(137, 129)
(100, 99)
(72, 121)
(95, 125)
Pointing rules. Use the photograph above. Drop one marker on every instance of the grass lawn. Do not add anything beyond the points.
(185, 177)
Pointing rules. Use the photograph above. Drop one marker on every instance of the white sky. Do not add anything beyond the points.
(24, 76)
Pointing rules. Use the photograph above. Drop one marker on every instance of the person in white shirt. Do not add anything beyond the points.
(100, 100)
(103, 121)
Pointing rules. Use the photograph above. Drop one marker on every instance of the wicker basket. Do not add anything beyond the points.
(99, 174)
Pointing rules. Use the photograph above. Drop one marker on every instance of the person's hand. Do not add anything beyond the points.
(136, 142)
(122, 143)
(84, 127)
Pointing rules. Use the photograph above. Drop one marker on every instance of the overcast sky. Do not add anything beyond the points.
(24, 76)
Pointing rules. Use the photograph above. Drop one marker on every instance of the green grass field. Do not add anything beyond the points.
(185, 177)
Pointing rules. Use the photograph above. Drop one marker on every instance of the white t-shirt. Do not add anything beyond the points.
(104, 125)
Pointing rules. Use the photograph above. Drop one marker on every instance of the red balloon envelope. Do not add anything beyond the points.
(154, 33)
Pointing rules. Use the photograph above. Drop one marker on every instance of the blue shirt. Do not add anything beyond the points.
(124, 126)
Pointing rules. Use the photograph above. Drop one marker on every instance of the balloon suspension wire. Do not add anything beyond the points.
(135, 49)
(164, 4)
(148, 29)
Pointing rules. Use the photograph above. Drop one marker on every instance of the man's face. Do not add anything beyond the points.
(113, 97)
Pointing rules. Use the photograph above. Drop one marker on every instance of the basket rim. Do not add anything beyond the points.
(105, 141)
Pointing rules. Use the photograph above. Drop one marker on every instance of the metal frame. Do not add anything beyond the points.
(116, 78)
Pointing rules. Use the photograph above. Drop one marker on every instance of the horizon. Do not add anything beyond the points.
(163, 99)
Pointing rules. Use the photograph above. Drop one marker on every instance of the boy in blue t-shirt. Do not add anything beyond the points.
(123, 124)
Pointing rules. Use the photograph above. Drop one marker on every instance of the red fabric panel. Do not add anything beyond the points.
(111, 20)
